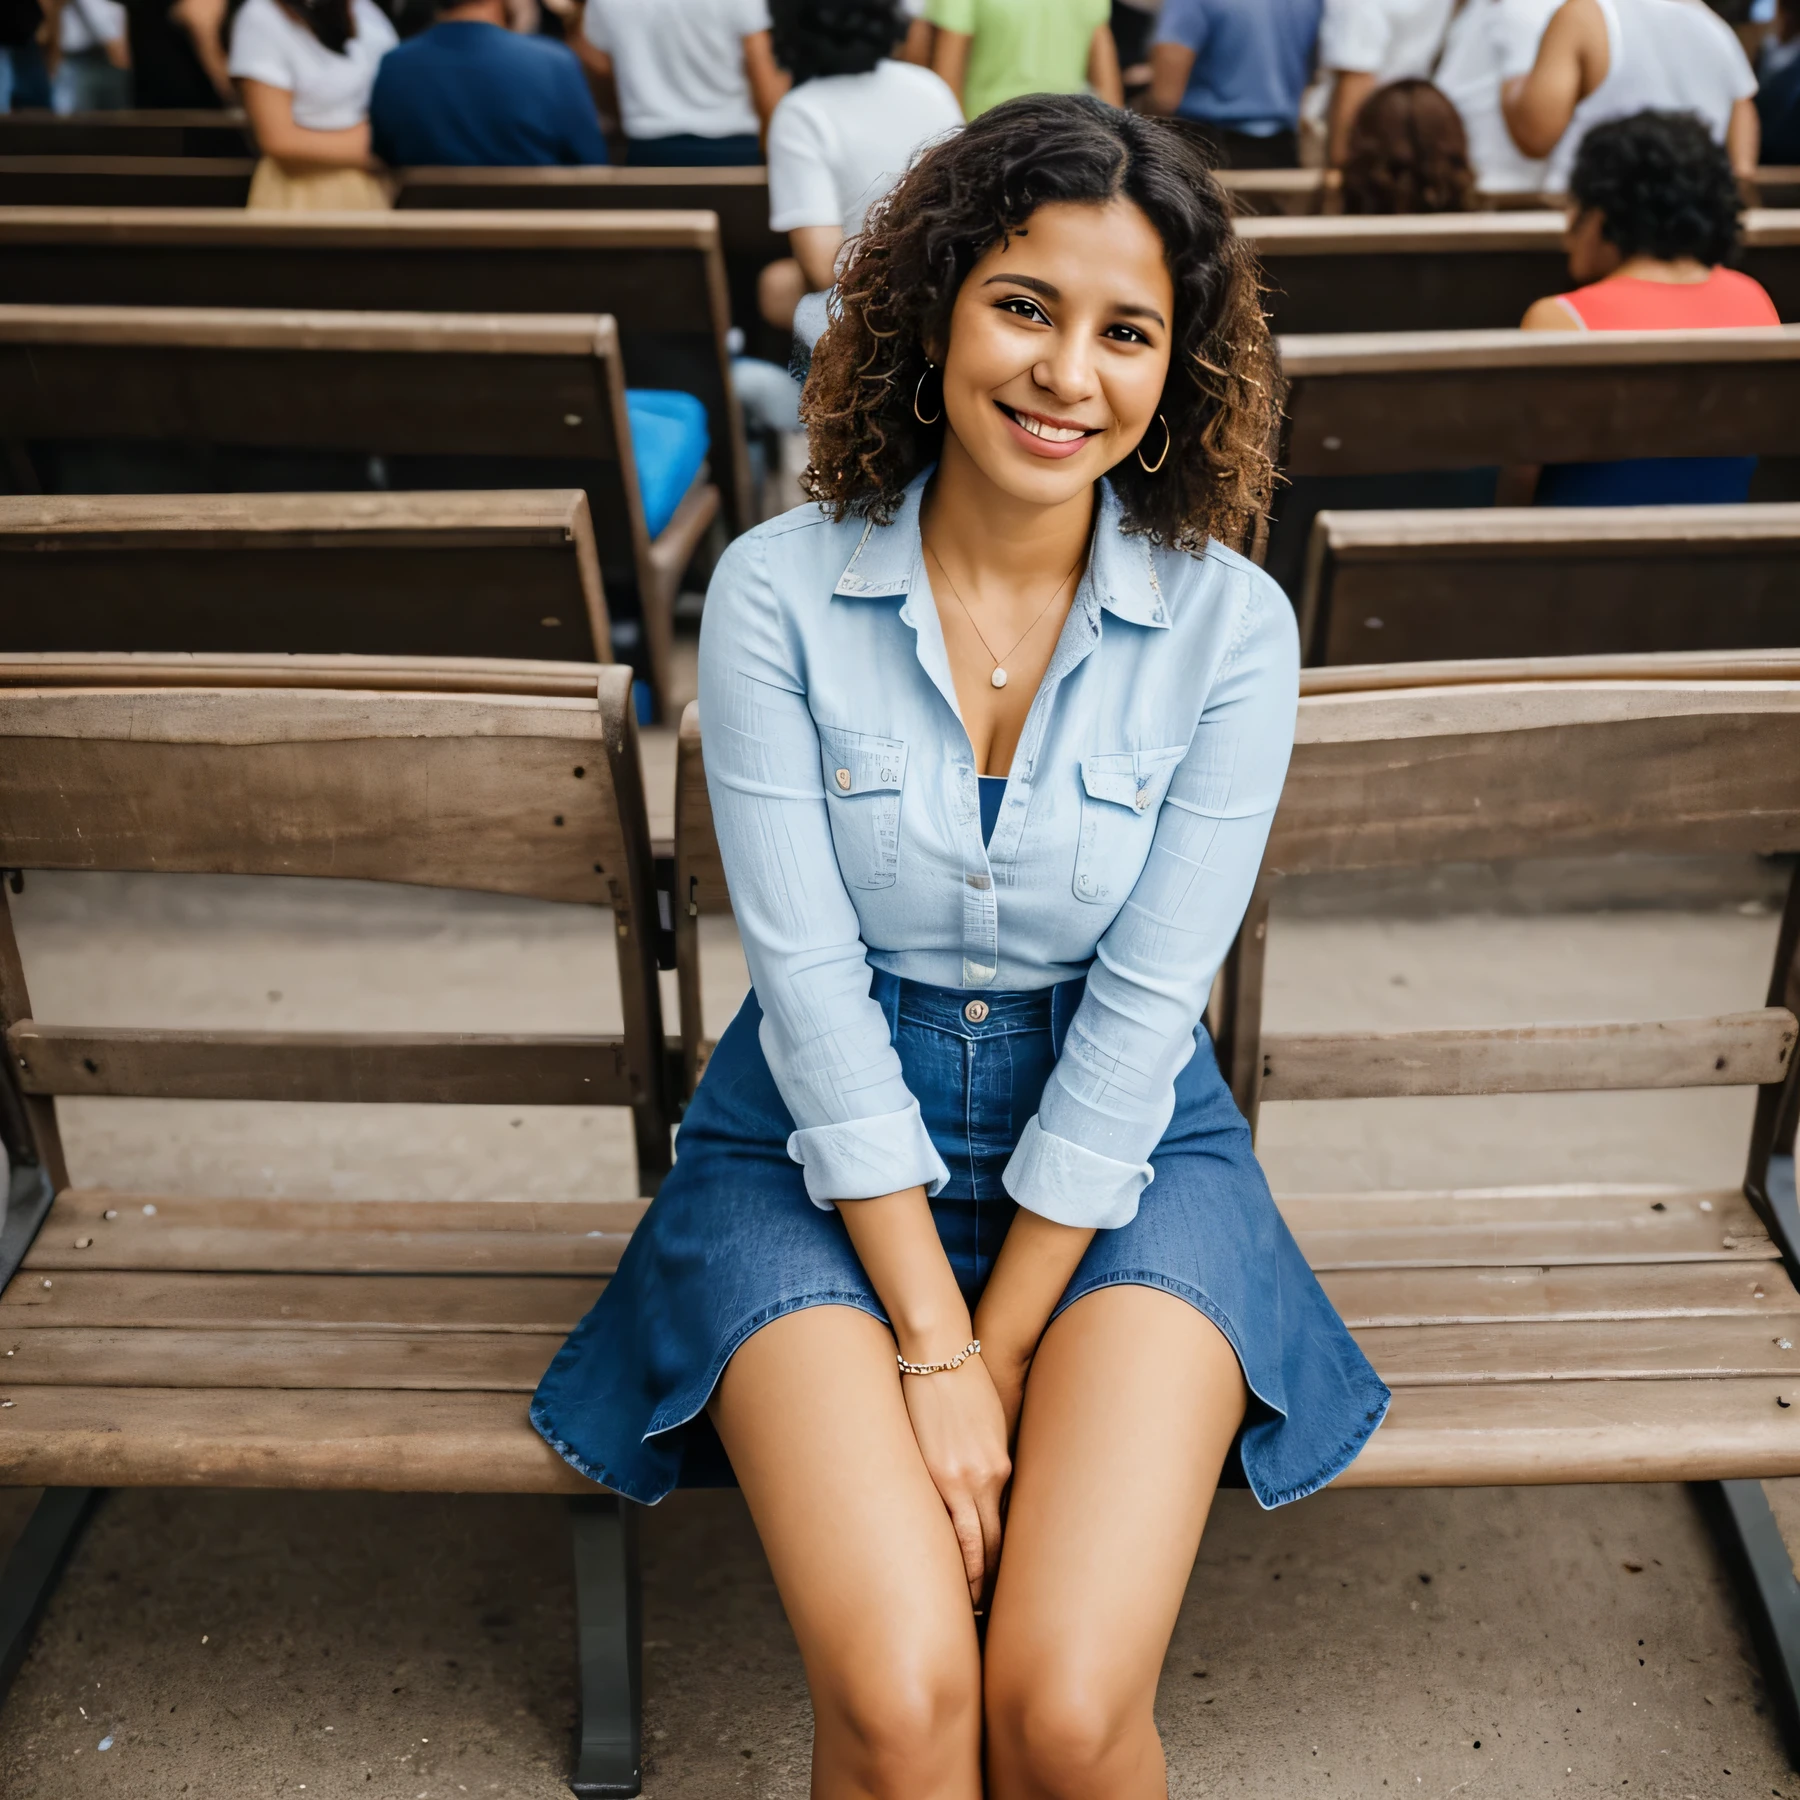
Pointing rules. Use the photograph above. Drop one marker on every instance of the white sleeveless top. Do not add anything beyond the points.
(1670, 55)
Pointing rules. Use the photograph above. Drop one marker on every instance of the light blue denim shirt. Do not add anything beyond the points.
(845, 795)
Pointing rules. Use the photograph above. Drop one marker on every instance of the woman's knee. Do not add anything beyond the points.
(1068, 1733)
(910, 1726)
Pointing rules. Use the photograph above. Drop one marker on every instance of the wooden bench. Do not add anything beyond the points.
(1551, 581)
(661, 276)
(1434, 414)
(507, 574)
(1582, 1333)
(740, 197)
(152, 133)
(177, 1340)
(1775, 186)
(443, 399)
(1454, 271)
(125, 180)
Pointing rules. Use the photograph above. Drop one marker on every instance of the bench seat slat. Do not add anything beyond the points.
(514, 1362)
(1491, 1295)
(294, 1237)
(106, 1299)
(1601, 1350)
(1742, 1049)
(450, 1361)
(421, 1252)
(1728, 1235)
(1499, 1433)
(1525, 1433)
(76, 1207)
(260, 1437)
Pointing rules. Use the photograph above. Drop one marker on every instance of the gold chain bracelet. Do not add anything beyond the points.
(973, 1348)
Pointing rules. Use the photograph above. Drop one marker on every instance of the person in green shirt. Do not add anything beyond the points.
(995, 50)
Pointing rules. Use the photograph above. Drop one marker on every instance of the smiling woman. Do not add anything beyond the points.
(995, 730)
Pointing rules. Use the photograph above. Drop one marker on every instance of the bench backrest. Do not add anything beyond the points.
(547, 392)
(1376, 403)
(522, 780)
(1455, 271)
(125, 180)
(1675, 755)
(508, 574)
(661, 276)
(167, 132)
(739, 196)
(1550, 581)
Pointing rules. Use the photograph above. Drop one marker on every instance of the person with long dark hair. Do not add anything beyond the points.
(962, 1208)
(1408, 153)
(306, 69)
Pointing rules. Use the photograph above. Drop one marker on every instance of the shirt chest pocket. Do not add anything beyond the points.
(1121, 793)
(864, 779)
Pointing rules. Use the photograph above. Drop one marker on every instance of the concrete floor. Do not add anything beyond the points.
(1493, 1643)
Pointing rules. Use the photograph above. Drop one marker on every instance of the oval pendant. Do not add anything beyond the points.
(998, 678)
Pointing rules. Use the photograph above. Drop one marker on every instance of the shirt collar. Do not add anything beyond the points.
(1121, 570)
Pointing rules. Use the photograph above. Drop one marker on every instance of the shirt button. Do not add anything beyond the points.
(843, 779)
(976, 1011)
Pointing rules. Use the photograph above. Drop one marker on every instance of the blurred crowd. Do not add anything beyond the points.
(1423, 105)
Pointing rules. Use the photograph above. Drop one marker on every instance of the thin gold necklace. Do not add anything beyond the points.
(998, 678)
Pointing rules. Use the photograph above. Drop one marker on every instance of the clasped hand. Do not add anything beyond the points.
(962, 1428)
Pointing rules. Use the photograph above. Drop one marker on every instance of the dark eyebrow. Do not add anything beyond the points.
(1051, 292)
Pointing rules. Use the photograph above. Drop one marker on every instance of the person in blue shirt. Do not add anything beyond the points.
(1237, 69)
(470, 93)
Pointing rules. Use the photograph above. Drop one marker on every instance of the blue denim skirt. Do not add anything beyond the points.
(732, 1242)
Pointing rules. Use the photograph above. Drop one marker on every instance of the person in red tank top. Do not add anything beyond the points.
(1653, 218)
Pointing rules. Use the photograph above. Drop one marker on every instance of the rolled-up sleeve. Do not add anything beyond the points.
(1085, 1158)
(859, 1132)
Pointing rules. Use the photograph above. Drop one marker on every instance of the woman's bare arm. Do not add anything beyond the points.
(204, 22)
(1103, 67)
(1030, 1274)
(768, 79)
(950, 61)
(271, 111)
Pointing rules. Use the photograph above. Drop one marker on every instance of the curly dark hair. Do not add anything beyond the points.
(1661, 186)
(899, 284)
(1408, 153)
(835, 37)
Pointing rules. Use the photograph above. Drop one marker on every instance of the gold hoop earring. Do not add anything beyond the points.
(918, 389)
(1168, 439)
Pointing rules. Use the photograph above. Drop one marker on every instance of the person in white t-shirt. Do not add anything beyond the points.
(94, 72)
(1611, 59)
(305, 69)
(1489, 42)
(695, 80)
(844, 134)
(1365, 44)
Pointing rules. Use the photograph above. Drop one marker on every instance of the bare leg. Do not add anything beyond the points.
(1130, 1409)
(864, 1556)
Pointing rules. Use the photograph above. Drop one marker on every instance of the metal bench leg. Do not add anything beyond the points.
(608, 1759)
(30, 1574)
(1764, 1574)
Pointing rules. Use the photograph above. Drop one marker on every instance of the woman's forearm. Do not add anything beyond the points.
(348, 148)
(271, 111)
(897, 1242)
(1030, 1275)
